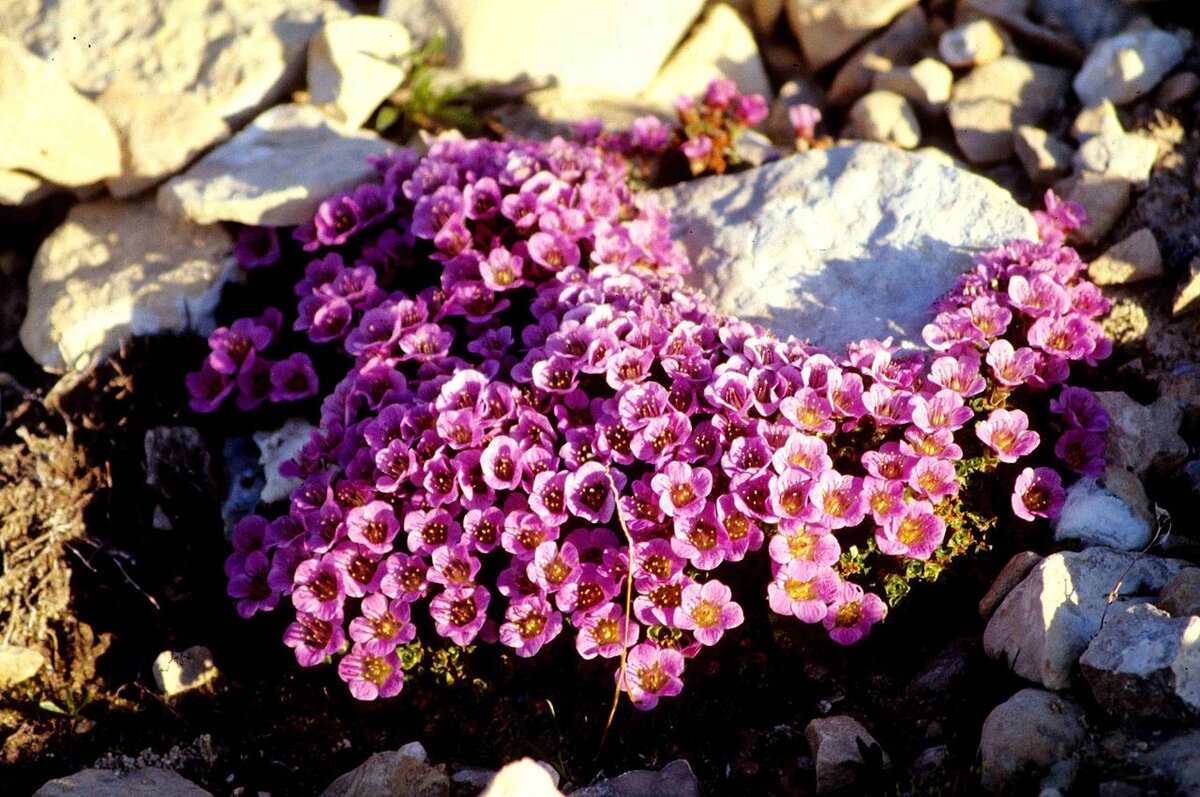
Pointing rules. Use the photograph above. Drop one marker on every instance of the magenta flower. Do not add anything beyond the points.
(884, 497)
(789, 493)
(851, 613)
(371, 676)
(1082, 451)
(1038, 296)
(319, 590)
(802, 589)
(360, 567)
(553, 567)
(548, 499)
(750, 109)
(721, 91)
(208, 387)
(313, 639)
(960, 374)
(531, 623)
(1038, 492)
(938, 444)
(1071, 337)
(682, 490)
(1080, 409)
(603, 632)
(698, 150)
(250, 588)
(708, 611)
(945, 410)
(594, 585)
(405, 577)
(1008, 434)
(804, 120)
(429, 529)
(383, 625)
(651, 673)
(809, 411)
(590, 494)
(916, 532)
(453, 566)
(837, 498)
(933, 479)
(889, 462)
(373, 526)
(256, 247)
(743, 533)
(458, 614)
(701, 539)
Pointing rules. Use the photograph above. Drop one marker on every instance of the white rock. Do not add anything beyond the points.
(414, 750)
(142, 782)
(721, 45)
(1188, 291)
(160, 133)
(972, 44)
(886, 117)
(1104, 198)
(522, 778)
(1141, 436)
(116, 269)
(553, 111)
(1145, 664)
(391, 772)
(1047, 621)
(18, 664)
(993, 99)
(354, 64)
(277, 447)
(49, 129)
(1132, 259)
(1094, 516)
(834, 742)
(926, 84)
(900, 43)
(606, 45)
(176, 672)
(1094, 118)
(828, 29)
(21, 188)
(1128, 65)
(275, 172)
(792, 245)
(1114, 153)
(1044, 158)
(1024, 736)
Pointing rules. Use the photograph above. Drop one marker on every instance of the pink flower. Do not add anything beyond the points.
(946, 410)
(701, 539)
(531, 623)
(1082, 451)
(682, 489)
(851, 613)
(313, 638)
(369, 675)
(802, 589)
(373, 526)
(1038, 492)
(838, 500)
(604, 632)
(590, 494)
(383, 625)
(884, 497)
(933, 479)
(552, 567)
(708, 611)
(1007, 433)
(804, 541)
(960, 374)
(651, 673)
(916, 532)
(459, 614)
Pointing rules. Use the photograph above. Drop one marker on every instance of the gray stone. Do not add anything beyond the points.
(1012, 574)
(987, 104)
(354, 64)
(1025, 736)
(1181, 595)
(176, 672)
(1132, 259)
(115, 269)
(1094, 516)
(18, 664)
(926, 84)
(1114, 153)
(145, 782)
(178, 469)
(674, 780)
(1178, 88)
(1047, 621)
(1179, 760)
(828, 29)
(1128, 66)
(1094, 118)
(1188, 291)
(972, 44)
(275, 172)
(1044, 157)
(1087, 20)
(792, 245)
(899, 43)
(1145, 664)
(1103, 198)
(244, 480)
(1141, 436)
(277, 447)
(1011, 14)
(523, 778)
(885, 117)
(721, 45)
(50, 130)
(606, 45)
(834, 742)
(391, 772)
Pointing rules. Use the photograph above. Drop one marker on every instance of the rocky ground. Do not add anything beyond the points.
(137, 139)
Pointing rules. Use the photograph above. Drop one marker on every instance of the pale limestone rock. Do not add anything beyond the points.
(886, 117)
(987, 104)
(116, 269)
(552, 112)
(793, 246)
(275, 172)
(1142, 436)
(899, 43)
(834, 742)
(972, 44)
(1094, 118)
(1114, 153)
(1104, 199)
(277, 447)
(1132, 259)
(522, 778)
(176, 672)
(1181, 595)
(1024, 736)
(1188, 291)
(1128, 66)
(1045, 623)
(18, 664)
(354, 64)
(392, 772)
(611, 46)
(1044, 157)
(1145, 664)
(1095, 516)
(48, 128)
(21, 188)
(828, 29)
(142, 782)
(1012, 574)
(159, 133)
(926, 84)
(721, 45)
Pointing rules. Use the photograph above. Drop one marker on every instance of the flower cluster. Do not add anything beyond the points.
(709, 128)
(542, 433)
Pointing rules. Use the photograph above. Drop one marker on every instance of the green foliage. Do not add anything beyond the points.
(427, 103)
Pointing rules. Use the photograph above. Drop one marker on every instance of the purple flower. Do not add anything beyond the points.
(589, 493)
(698, 150)
(804, 120)
(809, 411)
(682, 490)
(256, 247)
(552, 567)
(721, 91)
(553, 250)
(458, 614)
(851, 613)
(604, 632)
(342, 215)
(313, 639)
(1038, 492)
(250, 588)
(916, 532)
(802, 589)
(318, 589)
(701, 539)
(945, 410)
(838, 500)
(933, 479)
(885, 497)
(1011, 367)
(1080, 409)
(1082, 451)
(293, 378)
(708, 611)
(453, 566)
(531, 623)
(429, 529)
(371, 676)
(750, 109)
(1071, 337)
(1008, 434)
(960, 374)
(651, 673)
(383, 625)
(405, 577)
(649, 134)
(208, 388)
